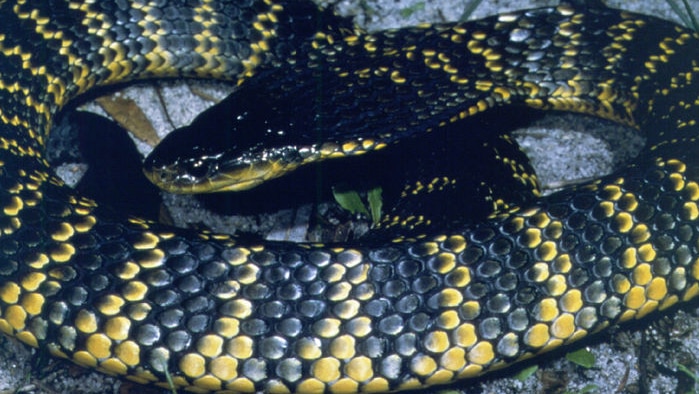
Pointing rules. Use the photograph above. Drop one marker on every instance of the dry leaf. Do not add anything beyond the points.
(130, 116)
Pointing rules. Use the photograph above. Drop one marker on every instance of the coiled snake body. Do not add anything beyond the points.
(138, 299)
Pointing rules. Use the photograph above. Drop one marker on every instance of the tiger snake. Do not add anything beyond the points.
(134, 298)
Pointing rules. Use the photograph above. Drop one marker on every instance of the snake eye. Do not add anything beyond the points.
(198, 169)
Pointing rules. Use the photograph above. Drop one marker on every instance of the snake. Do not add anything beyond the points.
(145, 301)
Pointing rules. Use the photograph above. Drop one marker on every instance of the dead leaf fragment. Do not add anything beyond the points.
(130, 116)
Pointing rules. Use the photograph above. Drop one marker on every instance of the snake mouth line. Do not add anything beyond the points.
(243, 177)
(217, 173)
(213, 173)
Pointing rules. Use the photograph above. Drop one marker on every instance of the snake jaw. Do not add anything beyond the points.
(217, 173)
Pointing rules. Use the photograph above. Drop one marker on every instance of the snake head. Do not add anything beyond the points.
(276, 121)
(233, 146)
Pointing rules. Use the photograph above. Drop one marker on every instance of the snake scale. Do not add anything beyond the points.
(137, 299)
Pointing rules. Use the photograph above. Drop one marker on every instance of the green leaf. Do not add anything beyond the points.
(582, 357)
(692, 16)
(687, 15)
(525, 373)
(160, 361)
(590, 388)
(407, 12)
(689, 373)
(468, 10)
(350, 201)
(375, 203)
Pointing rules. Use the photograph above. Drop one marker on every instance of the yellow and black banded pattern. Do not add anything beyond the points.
(133, 298)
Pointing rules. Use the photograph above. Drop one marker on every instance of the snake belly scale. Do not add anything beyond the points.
(137, 299)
